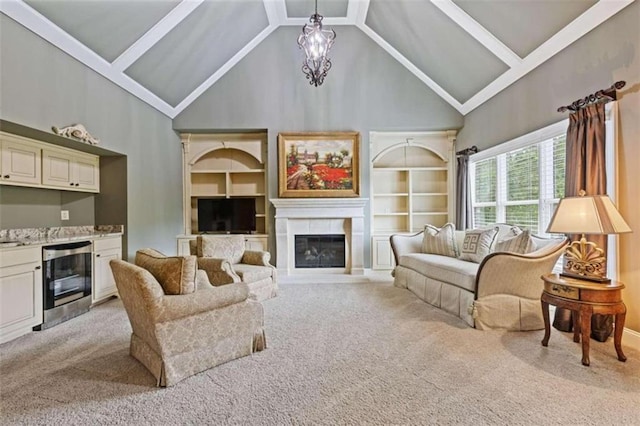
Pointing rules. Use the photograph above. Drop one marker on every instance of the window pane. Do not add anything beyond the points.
(523, 174)
(483, 216)
(486, 181)
(524, 216)
(559, 165)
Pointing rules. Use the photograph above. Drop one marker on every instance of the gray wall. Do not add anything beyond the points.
(365, 90)
(41, 86)
(607, 54)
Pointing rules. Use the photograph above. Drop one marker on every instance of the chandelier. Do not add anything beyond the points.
(316, 43)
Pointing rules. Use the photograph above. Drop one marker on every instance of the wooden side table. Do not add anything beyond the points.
(584, 298)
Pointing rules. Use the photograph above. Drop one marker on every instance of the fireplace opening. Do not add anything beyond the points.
(319, 251)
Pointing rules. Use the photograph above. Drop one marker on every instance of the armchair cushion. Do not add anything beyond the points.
(440, 240)
(176, 275)
(477, 244)
(230, 248)
(252, 273)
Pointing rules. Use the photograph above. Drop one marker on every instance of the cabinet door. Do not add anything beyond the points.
(20, 299)
(87, 175)
(20, 163)
(382, 255)
(256, 243)
(104, 249)
(57, 169)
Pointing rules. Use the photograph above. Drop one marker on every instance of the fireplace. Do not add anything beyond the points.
(319, 217)
(319, 251)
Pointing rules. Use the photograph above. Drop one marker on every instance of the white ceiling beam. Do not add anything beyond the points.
(591, 18)
(325, 21)
(155, 34)
(477, 31)
(223, 70)
(357, 11)
(34, 21)
(411, 67)
(276, 11)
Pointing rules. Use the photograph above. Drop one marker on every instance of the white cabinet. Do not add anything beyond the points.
(20, 291)
(104, 250)
(20, 161)
(412, 185)
(70, 170)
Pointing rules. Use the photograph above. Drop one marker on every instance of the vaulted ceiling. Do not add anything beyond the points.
(169, 52)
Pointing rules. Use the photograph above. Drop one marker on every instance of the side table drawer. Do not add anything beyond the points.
(562, 291)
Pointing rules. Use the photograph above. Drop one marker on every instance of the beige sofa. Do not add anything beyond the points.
(502, 291)
(181, 324)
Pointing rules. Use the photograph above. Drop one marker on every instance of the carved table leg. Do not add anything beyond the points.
(547, 325)
(585, 327)
(617, 336)
(576, 325)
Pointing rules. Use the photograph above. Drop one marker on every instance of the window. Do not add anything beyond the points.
(521, 185)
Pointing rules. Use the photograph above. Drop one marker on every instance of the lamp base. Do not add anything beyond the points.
(586, 277)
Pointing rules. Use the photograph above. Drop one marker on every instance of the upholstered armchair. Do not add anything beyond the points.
(181, 324)
(226, 260)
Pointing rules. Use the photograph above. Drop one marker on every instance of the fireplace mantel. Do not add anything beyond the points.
(320, 216)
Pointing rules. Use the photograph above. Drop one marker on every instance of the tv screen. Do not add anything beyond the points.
(227, 215)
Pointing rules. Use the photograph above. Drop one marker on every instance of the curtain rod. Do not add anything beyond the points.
(608, 94)
(468, 151)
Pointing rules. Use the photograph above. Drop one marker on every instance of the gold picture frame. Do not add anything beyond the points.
(320, 164)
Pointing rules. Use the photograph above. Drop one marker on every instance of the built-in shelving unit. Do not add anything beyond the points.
(411, 186)
(224, 165)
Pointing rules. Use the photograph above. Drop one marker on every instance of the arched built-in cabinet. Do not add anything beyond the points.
(412, 185)
(224, 166)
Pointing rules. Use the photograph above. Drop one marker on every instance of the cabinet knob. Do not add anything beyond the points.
(6, 176)
(71, 184)
(98, 255)
(38, 267)
(77, 184)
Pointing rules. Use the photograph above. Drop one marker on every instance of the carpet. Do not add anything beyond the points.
(339, 353)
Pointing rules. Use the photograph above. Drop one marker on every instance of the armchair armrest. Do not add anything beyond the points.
(219, 271)
(402, 244)
(517, 274)
(179, 306)
(255, 257)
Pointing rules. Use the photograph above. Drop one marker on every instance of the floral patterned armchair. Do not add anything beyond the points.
(226, 260)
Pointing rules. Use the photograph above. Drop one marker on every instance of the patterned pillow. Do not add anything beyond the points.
(477, 244)
(440, 241)
(176, 275)
(228, 247)
(522, 243)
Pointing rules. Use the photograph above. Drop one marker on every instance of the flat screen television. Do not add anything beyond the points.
(227, 215)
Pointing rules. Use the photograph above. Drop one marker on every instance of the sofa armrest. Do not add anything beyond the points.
(219, 271)
(517, 274)
(256, 257)
(402, 244)
(179, 306)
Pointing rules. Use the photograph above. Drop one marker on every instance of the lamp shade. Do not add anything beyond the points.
(590, 214)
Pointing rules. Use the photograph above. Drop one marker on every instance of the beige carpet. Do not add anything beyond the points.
(339, 353)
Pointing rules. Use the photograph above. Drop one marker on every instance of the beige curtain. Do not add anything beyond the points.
(586, 169)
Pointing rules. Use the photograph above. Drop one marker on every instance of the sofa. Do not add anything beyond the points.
(499, 288)
(226, 260)
(181, 324)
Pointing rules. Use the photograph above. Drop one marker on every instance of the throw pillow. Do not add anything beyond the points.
(477, 244)
(522, 243)
(176, 275)
(440, 241)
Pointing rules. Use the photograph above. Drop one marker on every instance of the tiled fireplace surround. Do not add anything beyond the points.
(304, 216)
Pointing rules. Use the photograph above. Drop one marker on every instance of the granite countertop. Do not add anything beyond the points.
(54, 235)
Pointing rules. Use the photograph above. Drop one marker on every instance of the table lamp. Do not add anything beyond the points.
(586, 215)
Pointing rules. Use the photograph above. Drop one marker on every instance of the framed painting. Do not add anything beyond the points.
(323, 164)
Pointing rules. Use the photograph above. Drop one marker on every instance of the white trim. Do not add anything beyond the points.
(276, 11)
(357, 11)
(539, 135)
(478, 32)
(325, 21)
(631, 338)
(153, 36)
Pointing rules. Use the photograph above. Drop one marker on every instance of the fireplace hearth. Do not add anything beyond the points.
(319, 251)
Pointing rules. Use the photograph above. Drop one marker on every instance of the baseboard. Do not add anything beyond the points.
(631, 338)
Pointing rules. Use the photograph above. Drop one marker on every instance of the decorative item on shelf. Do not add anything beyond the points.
(316, 43)
(319, 164)
(586, 214)
(76, 131)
